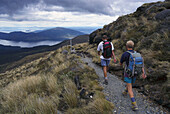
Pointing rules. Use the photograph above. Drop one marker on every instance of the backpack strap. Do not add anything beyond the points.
(131, 52)
(134, 61)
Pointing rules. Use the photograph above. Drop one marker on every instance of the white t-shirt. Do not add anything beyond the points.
(100, 48)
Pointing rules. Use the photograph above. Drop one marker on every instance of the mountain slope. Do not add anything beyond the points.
(46, 85)
(149, 28)
(10, 55)
(55, 34)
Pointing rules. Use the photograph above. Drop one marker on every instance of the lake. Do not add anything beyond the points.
(27, 44)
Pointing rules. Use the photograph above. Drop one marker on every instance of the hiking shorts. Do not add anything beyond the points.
(105, 62)
(130, 80)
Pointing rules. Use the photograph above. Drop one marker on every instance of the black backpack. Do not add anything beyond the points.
(107, 49)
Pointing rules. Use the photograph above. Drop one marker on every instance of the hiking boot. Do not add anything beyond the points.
(134, 106)
(106, 82)
(124, 93)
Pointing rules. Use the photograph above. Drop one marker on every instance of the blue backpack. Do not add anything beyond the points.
(135, 64)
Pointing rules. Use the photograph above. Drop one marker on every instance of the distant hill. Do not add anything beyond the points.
(55, 34)
(11, 54)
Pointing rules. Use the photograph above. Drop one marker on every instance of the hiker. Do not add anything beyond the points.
(107, 52)
(132, 70)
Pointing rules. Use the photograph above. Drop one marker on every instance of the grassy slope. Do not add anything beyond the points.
(151, 37)
(12, 59)
(46, 85)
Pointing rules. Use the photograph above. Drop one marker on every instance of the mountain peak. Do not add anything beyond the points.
(54, 34)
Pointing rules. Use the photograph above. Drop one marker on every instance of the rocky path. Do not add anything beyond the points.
(122, 104)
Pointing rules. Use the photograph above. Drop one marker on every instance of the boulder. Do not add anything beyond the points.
(93, 36)
(163, 14)
(65, 52)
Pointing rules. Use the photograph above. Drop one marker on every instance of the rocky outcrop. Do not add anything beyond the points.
(165, 14)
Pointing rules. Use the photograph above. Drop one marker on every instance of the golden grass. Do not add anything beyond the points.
(70, 93)
(38, 86)
(98, 106)
(28, 92)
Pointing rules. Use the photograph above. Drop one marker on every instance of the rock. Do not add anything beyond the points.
(147, 112)
(65, 52)
(93, 35)
(163, 14)
(140, 9)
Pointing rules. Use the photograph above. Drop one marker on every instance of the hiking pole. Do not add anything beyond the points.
(71, 44)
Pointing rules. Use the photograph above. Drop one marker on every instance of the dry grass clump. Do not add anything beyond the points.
(80, 47)
(93, 53)
(98, 106)
(70, 93)
(31, 94)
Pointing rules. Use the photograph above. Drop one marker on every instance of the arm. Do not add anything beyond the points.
(114, 56)
(143, 74)
(99, 53)
(113, 53)
(143, 70)
(99, 49)
(123, 58)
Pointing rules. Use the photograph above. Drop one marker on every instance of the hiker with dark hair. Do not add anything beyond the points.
(134, 66)
(107, 52)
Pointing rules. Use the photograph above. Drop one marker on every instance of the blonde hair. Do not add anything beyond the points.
(130, 44)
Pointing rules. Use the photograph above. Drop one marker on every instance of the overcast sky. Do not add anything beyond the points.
(66, 13)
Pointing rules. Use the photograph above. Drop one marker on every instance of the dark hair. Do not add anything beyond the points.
(104, 37)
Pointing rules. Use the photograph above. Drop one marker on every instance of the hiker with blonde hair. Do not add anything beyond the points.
(134, 66)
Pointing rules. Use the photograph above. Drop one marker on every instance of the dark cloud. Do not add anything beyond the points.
(12, 6)
(17, 9)
(89, 6)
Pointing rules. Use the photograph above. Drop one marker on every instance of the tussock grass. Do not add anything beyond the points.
(98, 106)
(80, 47)
(46, 85)
(93, 53)
(34, 93)
(70, 93)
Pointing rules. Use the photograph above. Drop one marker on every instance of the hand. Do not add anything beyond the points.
(144, 76)
(115, 60)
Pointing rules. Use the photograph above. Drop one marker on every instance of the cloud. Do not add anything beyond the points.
(65, 12)
(86, 6)
(108, 7)
(12, 6)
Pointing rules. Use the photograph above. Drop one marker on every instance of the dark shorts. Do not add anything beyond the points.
(105, 62)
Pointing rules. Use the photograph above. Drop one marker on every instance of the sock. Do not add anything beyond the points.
(133, 99)
(105, 78)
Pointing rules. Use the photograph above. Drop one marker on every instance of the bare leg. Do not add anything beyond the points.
(105, 71)
(129, 88)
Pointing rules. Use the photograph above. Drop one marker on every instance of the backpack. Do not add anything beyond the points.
(107, 49)
(135, 64)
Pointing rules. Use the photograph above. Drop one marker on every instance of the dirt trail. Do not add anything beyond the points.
(122, 104)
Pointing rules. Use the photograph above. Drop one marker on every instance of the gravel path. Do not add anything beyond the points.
(122, 104)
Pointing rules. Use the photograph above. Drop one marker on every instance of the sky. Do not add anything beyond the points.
(64, 13)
